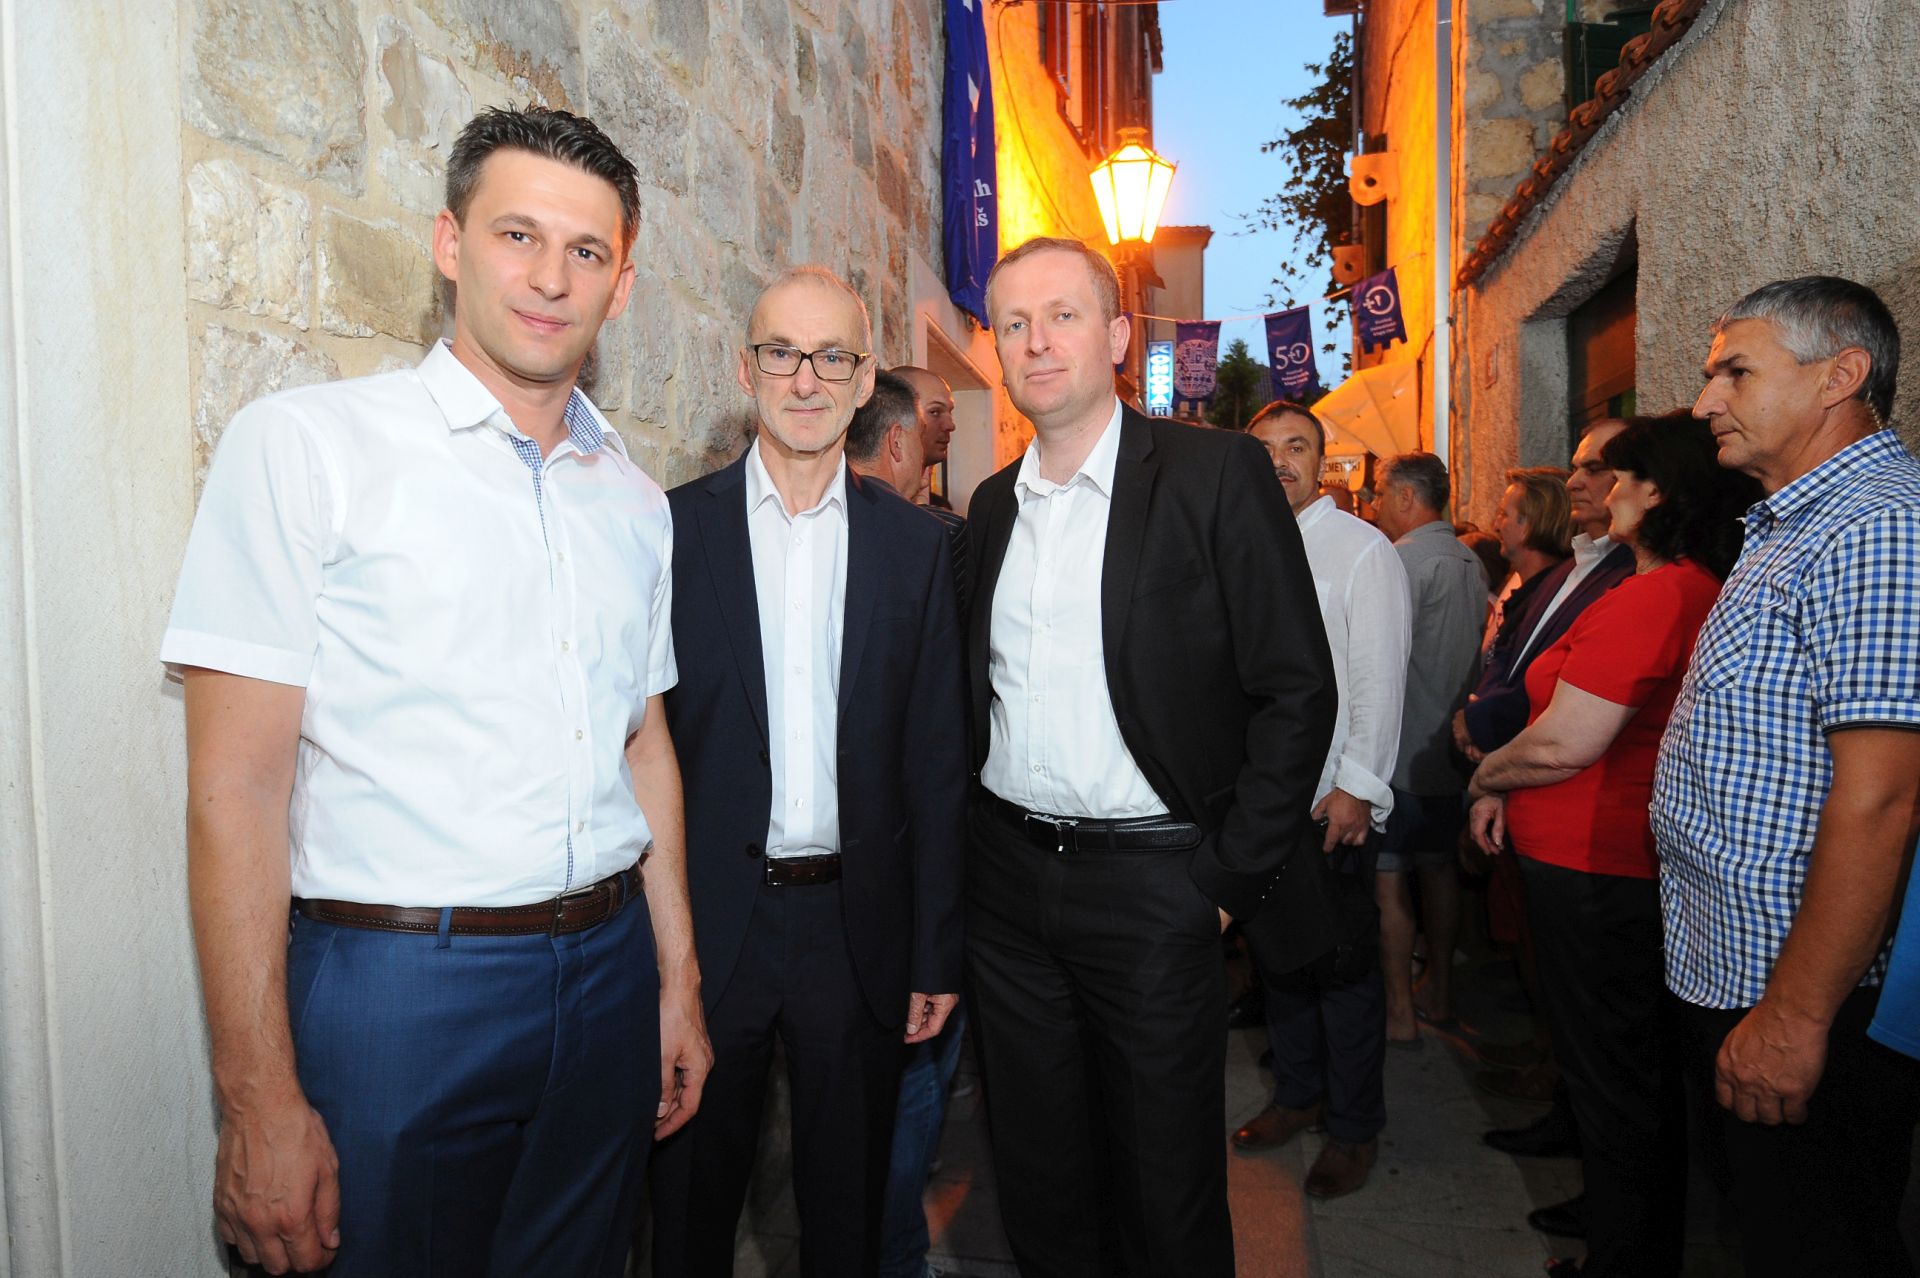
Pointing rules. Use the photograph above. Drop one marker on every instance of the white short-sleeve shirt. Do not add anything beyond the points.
(477, 629)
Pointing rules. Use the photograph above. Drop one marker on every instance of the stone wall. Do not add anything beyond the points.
(1512, 101)
(1776, 140)
(766, 132)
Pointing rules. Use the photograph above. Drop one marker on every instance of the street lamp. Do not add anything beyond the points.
(1131, 188)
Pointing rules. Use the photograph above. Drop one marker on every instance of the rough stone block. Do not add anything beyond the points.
(1494, 10)
(423, 101)
(237, 367)
(249, 244)
(238, 56)
(376, 277)
(638, 106)
(1500, 147)
(891, 176)
(746, 112)
(1544, 85)
(773, 222)
(723, 174)
(806, 64)
(531, 42)
(680, 33)
(862, 137)
(789, 148)
(768, 23)
(853, 40)
(675, 243)
(1484, 90)
(648, 327)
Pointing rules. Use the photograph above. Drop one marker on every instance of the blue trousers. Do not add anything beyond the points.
(916, 1134)
(490, 1098)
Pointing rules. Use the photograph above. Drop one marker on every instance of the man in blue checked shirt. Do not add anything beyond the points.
(1787, 783)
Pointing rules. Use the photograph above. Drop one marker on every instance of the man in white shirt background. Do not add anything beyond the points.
(823, 751)
(1327, 1022)
(424, 630)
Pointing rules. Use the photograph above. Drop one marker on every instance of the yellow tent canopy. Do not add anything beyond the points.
(1376, 410)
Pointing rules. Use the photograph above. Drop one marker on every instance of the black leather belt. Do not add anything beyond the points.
(573, 911)
(802, 871)
(1092, 834)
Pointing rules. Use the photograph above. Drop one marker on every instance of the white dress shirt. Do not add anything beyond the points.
(477, 628)
(1055, 745)
(800, 581)
(1368, 613)
(1587, 554)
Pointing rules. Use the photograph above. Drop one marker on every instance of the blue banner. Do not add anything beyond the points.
(1196, 362)
(1290, 355)
(1376, 311)
(971, 220)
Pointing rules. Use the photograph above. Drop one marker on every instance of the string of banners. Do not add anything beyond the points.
(1182, 374)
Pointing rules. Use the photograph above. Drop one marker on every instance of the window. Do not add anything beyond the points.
(1056, 45)
(1600, 360)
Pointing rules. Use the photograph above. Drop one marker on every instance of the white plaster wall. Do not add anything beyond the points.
(1777, 140)
(105, 1105)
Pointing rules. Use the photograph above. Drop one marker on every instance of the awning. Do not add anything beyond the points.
(1377, 410)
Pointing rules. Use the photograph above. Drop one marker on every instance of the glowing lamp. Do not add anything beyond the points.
(1131, 188)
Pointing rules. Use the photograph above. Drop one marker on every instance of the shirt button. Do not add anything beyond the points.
(566, 645)
(561, 555)
(579, 826)
(579, 735)
(799, 803)
(1037, 768)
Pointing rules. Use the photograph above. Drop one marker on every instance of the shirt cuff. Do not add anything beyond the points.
(1867, 712)
(1365, 786)
(662, 678)
(182, 648)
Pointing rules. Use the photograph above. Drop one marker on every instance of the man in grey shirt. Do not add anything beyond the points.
(1449, 595)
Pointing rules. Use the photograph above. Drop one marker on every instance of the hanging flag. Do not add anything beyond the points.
(1376, 311)
(1196, 360)
(971, 220)
(1290, 355)
(1159, 379)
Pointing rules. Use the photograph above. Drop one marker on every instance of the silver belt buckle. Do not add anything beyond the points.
(1060, 827)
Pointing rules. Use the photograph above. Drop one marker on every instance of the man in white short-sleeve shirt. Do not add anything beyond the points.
(425, 628)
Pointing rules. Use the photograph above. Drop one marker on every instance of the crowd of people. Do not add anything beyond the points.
(532, 809)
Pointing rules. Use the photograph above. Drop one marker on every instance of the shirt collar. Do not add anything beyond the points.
(1315, 511)
(1832, 475)
(465, 402)
(1432, 528)
(1097, 469)
(761, 489)
(1590, 550)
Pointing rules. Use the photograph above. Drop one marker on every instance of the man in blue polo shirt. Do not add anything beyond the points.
(1787, 781)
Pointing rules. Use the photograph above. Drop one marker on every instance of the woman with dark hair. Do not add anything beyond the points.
(1571, 791)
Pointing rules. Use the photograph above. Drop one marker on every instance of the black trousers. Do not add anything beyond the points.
(1823, 1196)
(1600, 946)
(794, 979)
(1099, 1009)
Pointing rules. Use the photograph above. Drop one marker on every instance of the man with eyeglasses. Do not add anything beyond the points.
(816, 622)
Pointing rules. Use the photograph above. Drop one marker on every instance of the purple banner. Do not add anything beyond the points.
(1376, 311)
(1196, 360)
(1290, 355)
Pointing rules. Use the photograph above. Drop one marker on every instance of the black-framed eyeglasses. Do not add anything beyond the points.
(776, 359)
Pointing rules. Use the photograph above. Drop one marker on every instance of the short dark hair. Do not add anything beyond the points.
(1106, 280)
(1698, 517)
(543, 131)
(1818, 316)
(1424, 473)
(1279, 407)
(891, 404)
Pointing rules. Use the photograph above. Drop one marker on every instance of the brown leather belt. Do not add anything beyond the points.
(573, 911)
(1093, 834)
(802, 871)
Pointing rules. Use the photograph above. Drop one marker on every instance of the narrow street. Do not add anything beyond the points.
(1439, 1204)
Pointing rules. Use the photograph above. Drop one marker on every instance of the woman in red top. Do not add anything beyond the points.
(1572, 791)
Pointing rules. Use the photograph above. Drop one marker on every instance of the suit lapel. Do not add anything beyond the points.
(863, 571)
(723, 533)
(1133, 475)
(996, 516)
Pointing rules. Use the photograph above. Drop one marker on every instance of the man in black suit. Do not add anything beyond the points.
(1152, 698)
(816, 615)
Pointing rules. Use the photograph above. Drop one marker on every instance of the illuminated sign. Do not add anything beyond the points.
(1159, 379)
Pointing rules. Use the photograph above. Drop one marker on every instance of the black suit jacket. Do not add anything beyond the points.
(1498, 711)
(902, 753)
(1216, 660)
